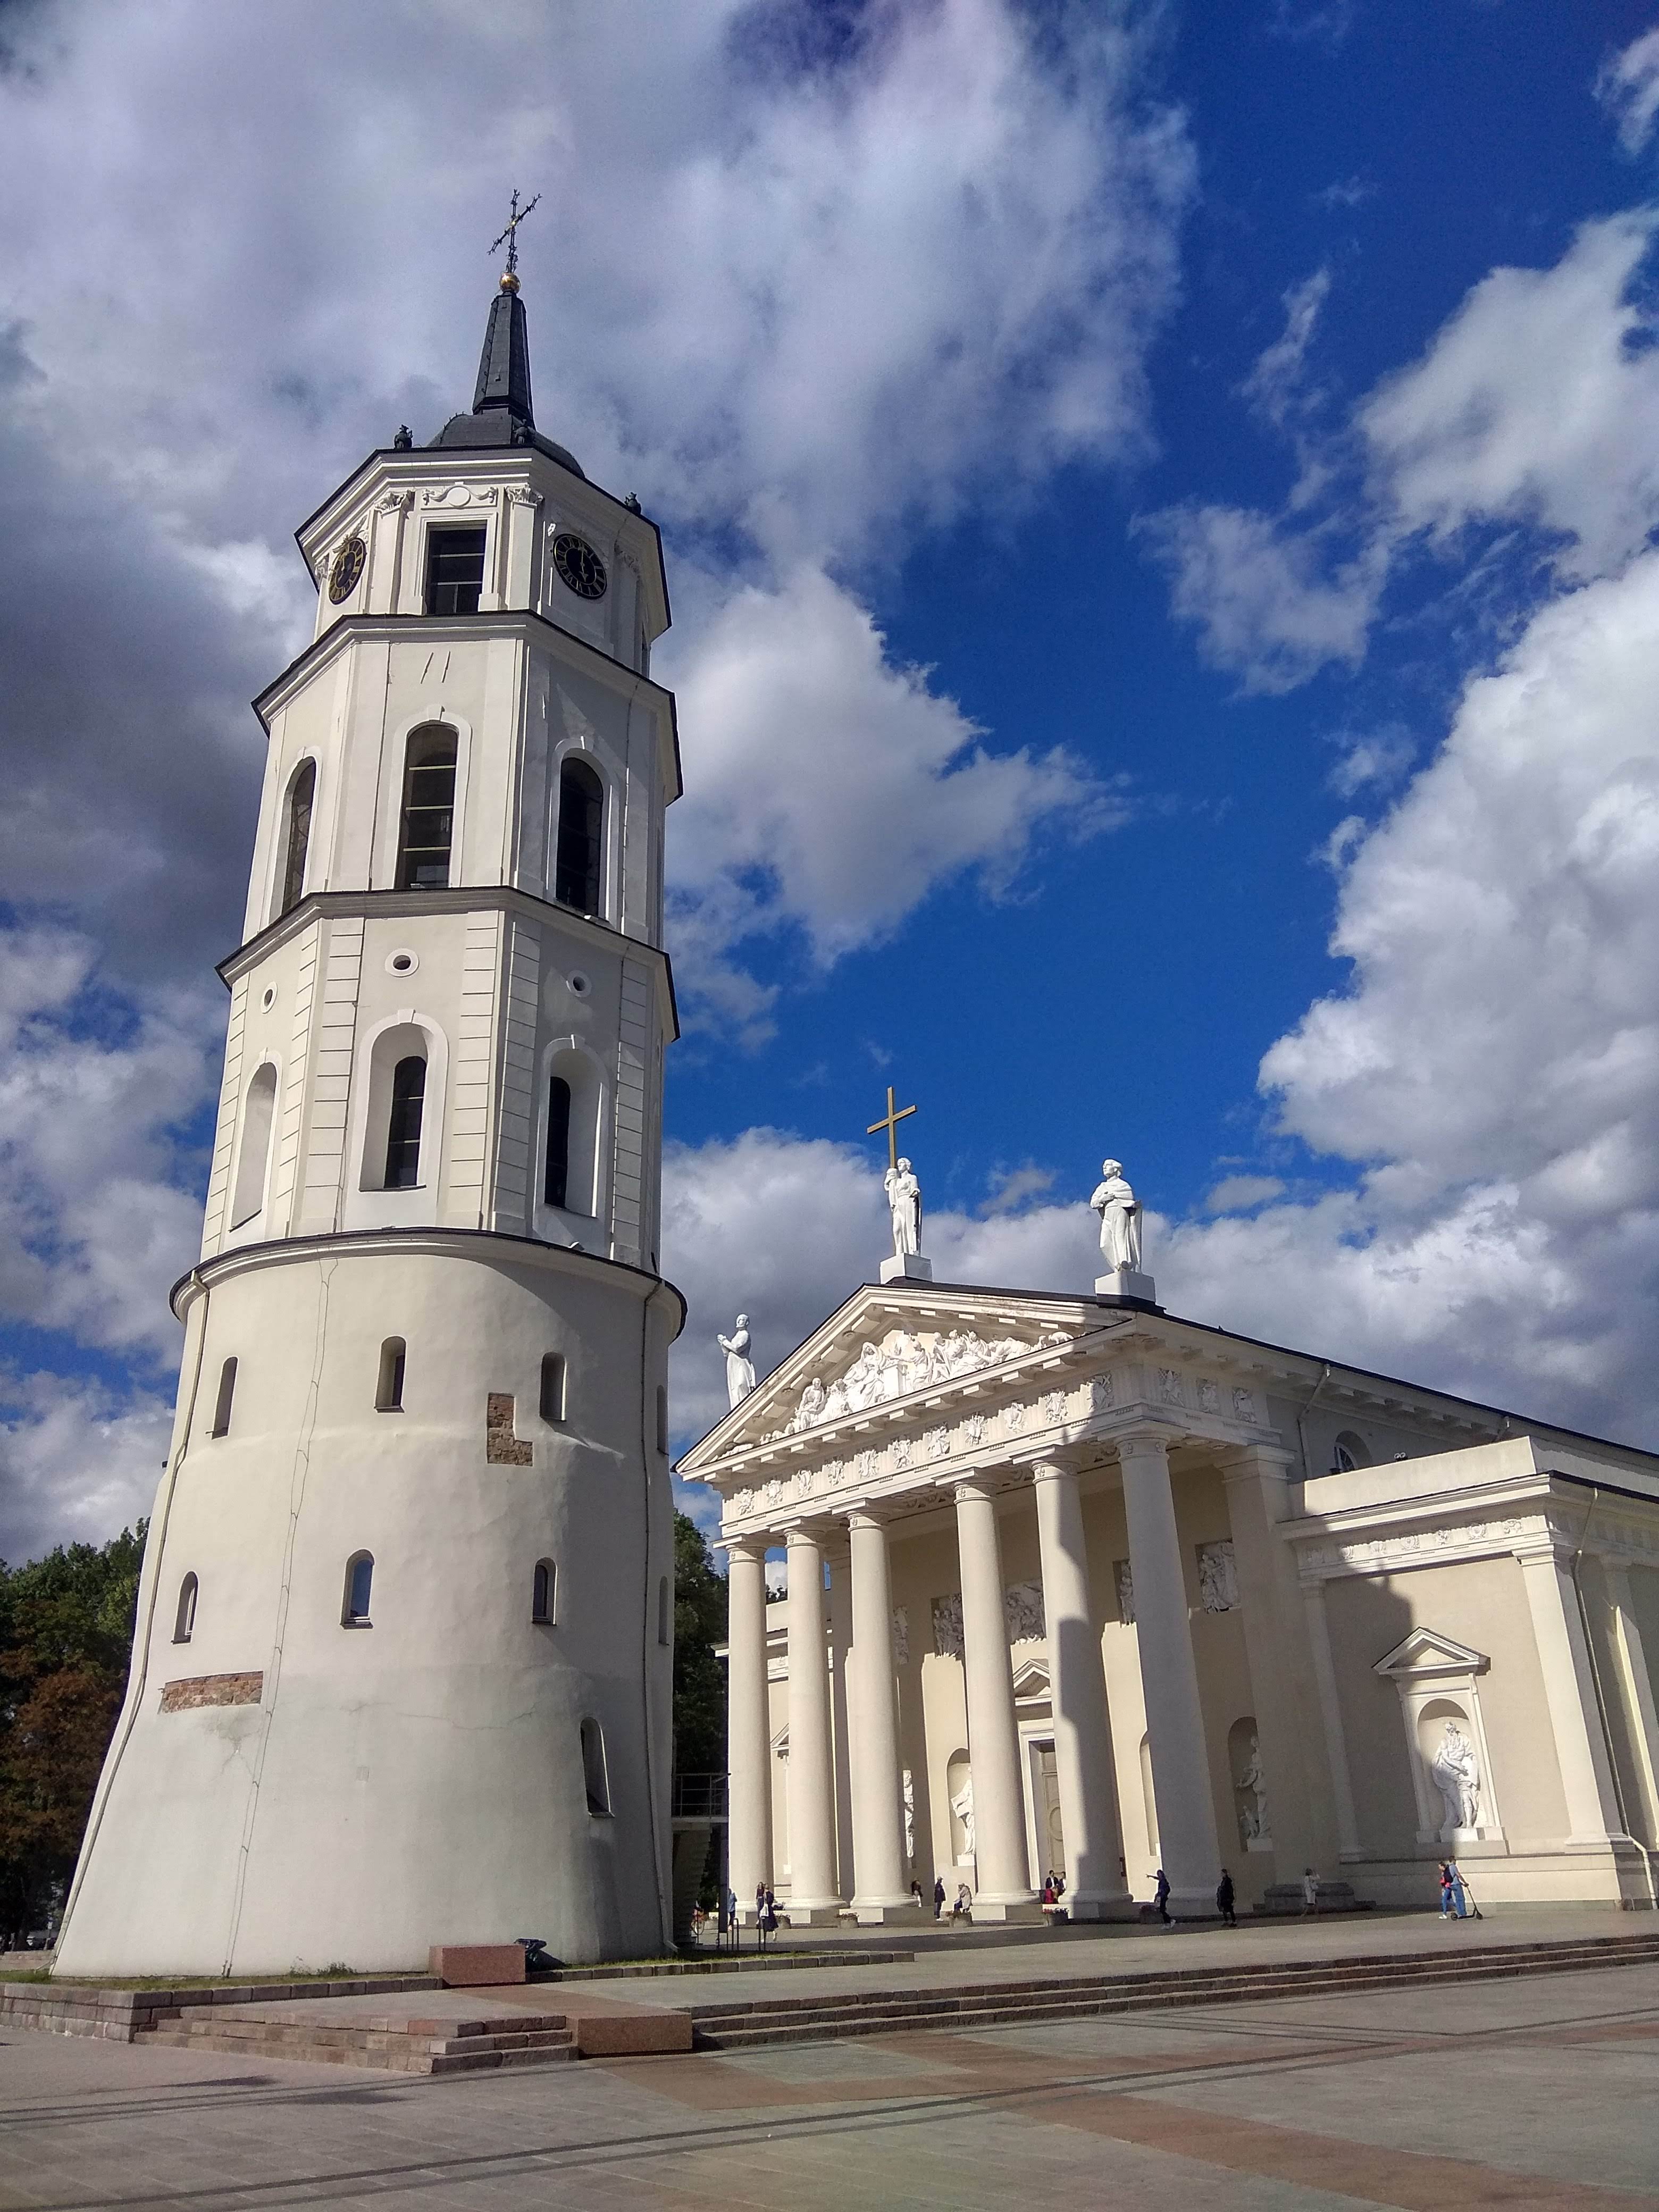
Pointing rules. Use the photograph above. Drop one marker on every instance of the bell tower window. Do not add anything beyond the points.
(557, 1184)
(454, 571)
(403, 1136)
(428, 819)
(577, 867)
(301, 794)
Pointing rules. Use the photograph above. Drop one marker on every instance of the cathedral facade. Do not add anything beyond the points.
(1076, 1587)
(402, 1671)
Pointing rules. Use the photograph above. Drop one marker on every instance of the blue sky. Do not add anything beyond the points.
(1159, 509)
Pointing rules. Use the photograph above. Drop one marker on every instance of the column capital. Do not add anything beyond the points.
(1238, 1462)
(751, 1547)
(866, 1516)
(971, 1485)
(1051, 1470)
(1146, 1437)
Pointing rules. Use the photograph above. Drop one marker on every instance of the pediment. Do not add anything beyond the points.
(1031, 1682)
(1427, 1651)
(887, 1345)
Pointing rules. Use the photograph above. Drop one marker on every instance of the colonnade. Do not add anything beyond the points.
(1084, 1762)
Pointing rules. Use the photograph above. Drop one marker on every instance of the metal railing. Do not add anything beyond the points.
(700, 1798)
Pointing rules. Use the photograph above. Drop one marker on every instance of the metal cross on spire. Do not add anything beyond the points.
(509, 237)
(890, 1122)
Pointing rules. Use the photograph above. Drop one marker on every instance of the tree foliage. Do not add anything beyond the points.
(699, 1676)
(65, 1639)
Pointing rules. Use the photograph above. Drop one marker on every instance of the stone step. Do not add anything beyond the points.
(801, 2020)
(388, 2044)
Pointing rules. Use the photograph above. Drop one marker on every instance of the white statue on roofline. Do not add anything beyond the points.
(1120, 1218)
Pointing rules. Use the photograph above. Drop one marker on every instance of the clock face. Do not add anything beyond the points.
(348, 567)
(579, 566)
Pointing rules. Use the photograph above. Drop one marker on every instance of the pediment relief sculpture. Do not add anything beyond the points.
(903, 1361)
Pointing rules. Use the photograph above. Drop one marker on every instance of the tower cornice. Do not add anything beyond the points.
(509, 621)
(455, 1243)
(458, 898)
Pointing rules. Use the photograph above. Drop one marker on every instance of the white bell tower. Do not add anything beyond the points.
(402, 1670)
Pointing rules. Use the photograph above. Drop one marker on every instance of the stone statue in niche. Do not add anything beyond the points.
(1456, 1772)
(947, 1626)
(1120, 1218)
(962, 1806)
(904, 1203)
(909, 1818)
(739, 1368)
(1123, 1575)
(813, 1402)
(1253, 1798)
(901, 1635)
(1022, 1612)
(1218, 1577)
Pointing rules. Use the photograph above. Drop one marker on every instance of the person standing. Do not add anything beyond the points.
(938, 1895)
(1309, 1891)
(1223, 1899)
(1161, 1898)
(1454, 1899)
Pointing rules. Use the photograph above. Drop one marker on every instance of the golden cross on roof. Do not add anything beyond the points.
(890, 1122)
(510, 235)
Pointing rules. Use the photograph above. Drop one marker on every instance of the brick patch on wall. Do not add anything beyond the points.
(501, 1447)
(193, 1690)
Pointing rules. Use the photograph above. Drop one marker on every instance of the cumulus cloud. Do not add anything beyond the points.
(1628, 88)
(1535, 405)
(833, 788)
(77, 1460)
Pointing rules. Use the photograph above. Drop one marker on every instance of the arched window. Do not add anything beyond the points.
(553, 1387)
(403, 1132)
(359, 1582)
(593, 1773)
(301, 792)
(389, 1388)
(570, 1135)
(184, 1620)
(428, 818)
(557, 1182)
(253, 1155)
(544, 1593)
(223, 1404)
(578, 867)
(665, 1612)
(1349, 1454)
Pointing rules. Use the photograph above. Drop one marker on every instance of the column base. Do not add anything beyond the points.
(883, 1911)
(825, 1912)
(1120, 1907)
(1009, 1911)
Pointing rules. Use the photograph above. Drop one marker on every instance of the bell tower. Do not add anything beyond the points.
(401, 1668)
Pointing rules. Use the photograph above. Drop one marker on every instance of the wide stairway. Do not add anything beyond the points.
(395, 2043)
(770, 2019)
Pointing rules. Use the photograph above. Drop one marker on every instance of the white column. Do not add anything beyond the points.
(1638, 1685)
(1581, 1750)
(1004, 1891)
(1076, 1684)
(812, 1899)
(1188, 1844)
(748, 1724)
(1330, 1714)
(883, 1891)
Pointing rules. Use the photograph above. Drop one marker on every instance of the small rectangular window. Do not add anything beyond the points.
(454, 571)
(223, 1404)
(662, 1418)
(553, 1387)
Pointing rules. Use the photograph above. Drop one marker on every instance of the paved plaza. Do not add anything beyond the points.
(1536, 2091)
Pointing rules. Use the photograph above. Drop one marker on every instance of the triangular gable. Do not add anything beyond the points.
(1427, 1651)
(872, 1315)
(1031, 1681)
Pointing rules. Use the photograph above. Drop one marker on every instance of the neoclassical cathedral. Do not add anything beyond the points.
(402, 1670)
(1077, 1586)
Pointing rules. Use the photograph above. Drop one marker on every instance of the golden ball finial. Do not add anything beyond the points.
(509, 282)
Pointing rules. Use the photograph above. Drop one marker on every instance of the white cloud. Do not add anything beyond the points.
(1256, 592)
(77, 1462)
(1377, 760)
(830, 789)
(1535, 404)
(1274, 384)
(1628, 88)
(1238, 1194)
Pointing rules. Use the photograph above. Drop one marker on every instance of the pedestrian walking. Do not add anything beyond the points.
(1223, 1899)
(1161, 1896)
(938, 1895)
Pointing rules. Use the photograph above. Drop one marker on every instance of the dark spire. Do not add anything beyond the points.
(504, 364)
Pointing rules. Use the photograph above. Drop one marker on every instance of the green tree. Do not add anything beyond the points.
(699, 1676)
(65, 1639)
